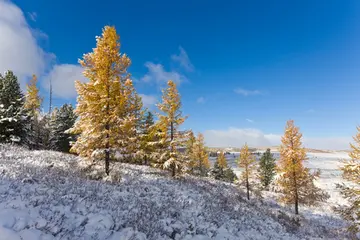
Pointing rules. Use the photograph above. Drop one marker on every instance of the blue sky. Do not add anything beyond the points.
(244, 67)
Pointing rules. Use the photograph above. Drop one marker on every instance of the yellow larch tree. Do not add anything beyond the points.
(101, 102)
(171, 139)
(221, 170)
(296, 181)
(131, 124)
(199, 158)
(32, 98)
(248, 162)
(221, 160)
(36, 135)
(189, 151)
(351, 173)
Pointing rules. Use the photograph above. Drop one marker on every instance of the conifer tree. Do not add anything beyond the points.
(61, 121)
(221, 170)
(33, 100)
(220, 166)
(147, 137)
(199, 157)
(43, 131)
(267, 167)
(37, 123)
(296, 181)
(130, 126)
(247, 162)
(351, 173)
(168, 125)
(102, 101)
(13, 118)
(189, 151)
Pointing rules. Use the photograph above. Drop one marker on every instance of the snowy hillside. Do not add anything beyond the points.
(50, 195)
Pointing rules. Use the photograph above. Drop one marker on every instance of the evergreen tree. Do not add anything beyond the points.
(351, 173)
(247, 162)
(267, 169)
(296, 181)
(170, 138)
(147, 137)
(221, 170)
(43, 131)
(61, 121)
(13, 118)
(199, 157)
(102, 102)
(130, 126)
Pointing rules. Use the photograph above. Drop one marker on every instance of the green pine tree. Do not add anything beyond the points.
(62, 120)
(147, 137)
(267, 168)
(13, 118)
(221, 170)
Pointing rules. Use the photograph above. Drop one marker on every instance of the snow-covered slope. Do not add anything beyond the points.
(50, 195)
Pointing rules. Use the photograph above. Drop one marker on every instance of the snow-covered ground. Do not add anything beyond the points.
(328, 163)
(50, 195)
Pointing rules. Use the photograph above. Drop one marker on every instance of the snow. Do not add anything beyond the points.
(50, 195)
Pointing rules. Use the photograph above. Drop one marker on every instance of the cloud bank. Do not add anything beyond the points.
(236, 137)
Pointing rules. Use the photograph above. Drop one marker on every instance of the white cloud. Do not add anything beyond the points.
(63, 78)
(200, 100)
(249, 120)
(246, 92)
(157, 74)
(235, 137)
(32, 16)
(19, 50)
(183, 60)
(148, 100)
(330, 143)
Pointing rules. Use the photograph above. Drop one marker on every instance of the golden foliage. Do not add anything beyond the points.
(221, 160)
(32, 100)
(168, 125)
(247, 162)
(102, 101)
(199, 158)
(351, 173)
(295, 180)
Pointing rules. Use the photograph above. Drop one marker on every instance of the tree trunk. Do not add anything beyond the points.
(296, 196)
(107, 127)
(172, 147)
(296, 192)
(173, 170)
(295, 184)
(107, 151)
(247, 188)
(172, 131)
